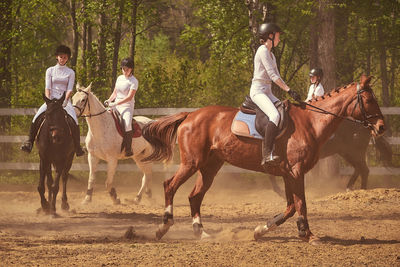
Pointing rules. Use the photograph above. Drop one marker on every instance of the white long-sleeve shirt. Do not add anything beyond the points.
(265, 72)
(59, 79)
(315, 91)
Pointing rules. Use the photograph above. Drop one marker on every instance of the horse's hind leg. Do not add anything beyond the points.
(170, 187)
(64, 203)
(204, 180)
(146, 168)
(93, 163)
(111, 167)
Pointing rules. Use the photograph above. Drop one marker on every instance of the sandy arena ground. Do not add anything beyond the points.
(358, 228)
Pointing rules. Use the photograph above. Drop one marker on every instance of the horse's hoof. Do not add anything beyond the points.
(86, 200)
(137, 199)
(205, 236)
(162, 230)
(149, 194)
(65, 206)
(315, 241)
(117, 201)
(260, 231)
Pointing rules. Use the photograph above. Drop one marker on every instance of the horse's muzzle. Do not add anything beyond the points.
(378, 129)
(56, 136)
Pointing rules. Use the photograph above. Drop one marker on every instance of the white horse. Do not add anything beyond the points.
(104, 142)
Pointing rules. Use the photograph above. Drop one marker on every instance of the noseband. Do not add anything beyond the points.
(88, 105)
(365, 122)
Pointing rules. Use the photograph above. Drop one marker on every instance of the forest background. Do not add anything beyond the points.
(194, 53)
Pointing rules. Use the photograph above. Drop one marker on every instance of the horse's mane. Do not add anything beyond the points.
(331, 93)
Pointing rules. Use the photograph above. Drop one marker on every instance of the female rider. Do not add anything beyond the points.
(123, 94)
(59, 79)
(316, 88)
(266, 72)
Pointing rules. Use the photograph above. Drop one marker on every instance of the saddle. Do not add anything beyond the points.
(250, 121)
(119, 124)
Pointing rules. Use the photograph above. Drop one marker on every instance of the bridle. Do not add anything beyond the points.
(364, 122)
(86, 102)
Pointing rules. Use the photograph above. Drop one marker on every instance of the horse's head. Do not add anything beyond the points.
(365, 107)
(55, 118)
(80, 100)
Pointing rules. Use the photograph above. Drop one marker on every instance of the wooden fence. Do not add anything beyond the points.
(160, 167)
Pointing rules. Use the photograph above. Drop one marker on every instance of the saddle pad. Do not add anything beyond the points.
(244, 125)
(137, 131)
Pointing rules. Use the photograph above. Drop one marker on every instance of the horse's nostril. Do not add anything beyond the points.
(381, 128)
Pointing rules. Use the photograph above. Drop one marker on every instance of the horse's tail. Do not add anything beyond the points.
(385, 150)
(161, 134)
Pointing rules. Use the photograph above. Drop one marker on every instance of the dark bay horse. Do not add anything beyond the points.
(56, 148)
(206, 142)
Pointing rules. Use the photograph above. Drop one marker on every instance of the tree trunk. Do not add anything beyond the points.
(258, 12)
(102, 53)
(75, 34)
(84, 71)
(368, 59)
(117, 41)
(132, 46)
(326, 55)
(383, 66)
(313, 52)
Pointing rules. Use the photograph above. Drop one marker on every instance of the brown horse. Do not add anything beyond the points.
(206, 142)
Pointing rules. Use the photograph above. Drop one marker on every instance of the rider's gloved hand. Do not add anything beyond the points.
(112, 104)
(294, 95)
(106, 103)
(65, 103)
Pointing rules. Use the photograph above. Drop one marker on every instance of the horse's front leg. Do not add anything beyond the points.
(55, 188)
(111, 167)
(44, 167)
(280, 218)
(93, 162)
(297, 187)
(64, 203)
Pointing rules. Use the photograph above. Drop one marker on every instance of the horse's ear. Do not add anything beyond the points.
(365, 80)
(88, 89)
(78, 87)
(45, 98)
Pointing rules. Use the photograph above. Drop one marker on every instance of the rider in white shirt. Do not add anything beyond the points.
(59, 80)
(316, 88)
(124, 96)
(266, 72)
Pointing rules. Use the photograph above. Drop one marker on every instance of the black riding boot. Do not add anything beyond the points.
(28, 145)
(76, 136)
(271, 131)
(128, 143)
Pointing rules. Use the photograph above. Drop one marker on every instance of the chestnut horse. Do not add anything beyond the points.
(206, 142)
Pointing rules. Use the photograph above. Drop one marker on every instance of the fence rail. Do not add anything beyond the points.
(161, 167)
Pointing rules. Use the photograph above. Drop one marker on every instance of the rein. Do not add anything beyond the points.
(84, 106)
(365, 123)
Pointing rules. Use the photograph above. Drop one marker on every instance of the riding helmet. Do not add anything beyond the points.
(127, 62)
(63, 50)
(266, 29)
(316, 72)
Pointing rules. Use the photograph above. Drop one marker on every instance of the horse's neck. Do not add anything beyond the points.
(99, 123)
(322, 126)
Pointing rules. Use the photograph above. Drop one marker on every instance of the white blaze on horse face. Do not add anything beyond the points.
(168, 209)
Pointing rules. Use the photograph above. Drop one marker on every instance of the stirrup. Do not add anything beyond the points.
(129, 153)
(271, 160)
(27, 147)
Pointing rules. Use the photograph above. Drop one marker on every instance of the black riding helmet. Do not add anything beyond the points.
(266, 29)
(63, 50)
(127, 62)
(316, 72)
